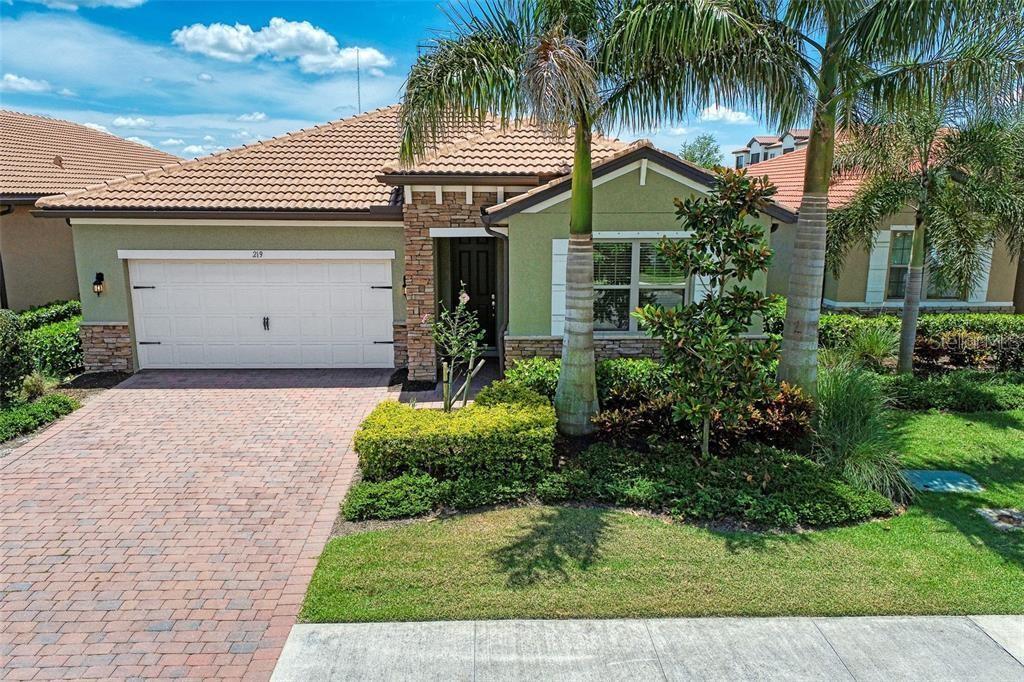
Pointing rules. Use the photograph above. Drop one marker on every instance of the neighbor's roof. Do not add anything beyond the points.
(40, 155)
(787, 173)
(331, 167)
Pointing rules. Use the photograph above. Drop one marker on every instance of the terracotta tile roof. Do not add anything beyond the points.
(522, 150)
(332, 167)
(800, 133)
(765, 139)
(40, 155)
(787, 173)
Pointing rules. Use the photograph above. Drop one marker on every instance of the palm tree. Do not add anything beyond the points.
(958, 170)
(890, 51)
(560, 64)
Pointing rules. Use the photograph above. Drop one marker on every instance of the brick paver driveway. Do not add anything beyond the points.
(170, 526)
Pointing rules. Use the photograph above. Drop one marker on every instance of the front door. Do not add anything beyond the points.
(473, 269)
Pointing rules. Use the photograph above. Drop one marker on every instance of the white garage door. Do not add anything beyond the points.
(262, 313)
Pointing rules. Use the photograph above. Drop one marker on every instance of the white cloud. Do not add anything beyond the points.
(200, 149)
(725, 115)
(139, 140)
(315, 50)
(172, 142)
(14, 83)
(253, 117)
(205, 77)
(132, 122)
(97, 126)
(208, 138)
(65, 92)
(72, 5)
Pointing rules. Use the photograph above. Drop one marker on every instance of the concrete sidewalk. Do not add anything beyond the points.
(989, 648)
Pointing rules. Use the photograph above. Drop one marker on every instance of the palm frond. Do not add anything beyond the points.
(957, 237)
(468, 75)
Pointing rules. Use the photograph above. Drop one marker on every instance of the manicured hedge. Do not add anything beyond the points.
(621, 382)
(510, 442)
(962, 391)
(27, 417)
(508, 393)
(56, 348)
(58, 311)
(15, 360)
(407, 495)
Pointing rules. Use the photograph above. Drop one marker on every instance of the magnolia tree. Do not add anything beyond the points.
(719, 373)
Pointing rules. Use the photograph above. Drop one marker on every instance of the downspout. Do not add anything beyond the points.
(7, 208)
(503, 286)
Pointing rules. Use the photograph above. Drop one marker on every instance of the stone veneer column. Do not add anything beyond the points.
(420, 295)
(106, 348)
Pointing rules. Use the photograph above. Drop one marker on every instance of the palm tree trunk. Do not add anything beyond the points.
(799, 362)
(576, 395)
(912, 299)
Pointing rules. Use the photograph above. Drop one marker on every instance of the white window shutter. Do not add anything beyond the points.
(559, 256)
(878, 268)
(979, 292)
(701, 288)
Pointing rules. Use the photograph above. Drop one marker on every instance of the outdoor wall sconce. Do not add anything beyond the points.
(97, 284)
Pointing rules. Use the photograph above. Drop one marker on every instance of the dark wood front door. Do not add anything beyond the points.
(474, 269)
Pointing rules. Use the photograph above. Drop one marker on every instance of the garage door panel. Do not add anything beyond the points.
(375, 272)
(209, 314)
(343, 273)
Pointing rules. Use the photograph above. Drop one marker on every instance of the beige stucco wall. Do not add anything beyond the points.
(851, 285)
(782, 247)
(38, 259)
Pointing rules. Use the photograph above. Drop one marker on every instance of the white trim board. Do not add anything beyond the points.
(652, 235)
(254, 254)
(934, 303)
(617, 173)
(444, 232)
(213, 222)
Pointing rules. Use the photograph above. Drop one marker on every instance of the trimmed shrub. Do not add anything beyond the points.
(15, 360)
(774, 316)
(960, 391)
(621, 382)
(407, 495)
(1008, 353)
(508, 393)
(513, 442)
(56, 348)
(536, 374)
(475, 491)
(58, 311)
(628, 382)
(764, 486)
(836, 329)
(27, 417)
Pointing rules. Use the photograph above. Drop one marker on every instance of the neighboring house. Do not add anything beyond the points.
(875, 280)
(765, 147)
(316, 249)
(41, 156)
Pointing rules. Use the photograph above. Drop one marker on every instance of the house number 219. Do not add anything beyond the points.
(257, 254)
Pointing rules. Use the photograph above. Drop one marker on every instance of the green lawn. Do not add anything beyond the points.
(557, 562)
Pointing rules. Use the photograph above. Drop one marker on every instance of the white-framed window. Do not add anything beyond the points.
(900, 247)
(629, 274)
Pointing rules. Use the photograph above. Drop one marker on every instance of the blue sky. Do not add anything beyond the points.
(196, 77)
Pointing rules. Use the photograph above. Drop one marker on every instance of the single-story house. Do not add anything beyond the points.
(874, 280)
(317, 249)
(40, 156)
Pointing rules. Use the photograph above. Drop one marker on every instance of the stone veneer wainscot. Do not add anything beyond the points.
(106, 347)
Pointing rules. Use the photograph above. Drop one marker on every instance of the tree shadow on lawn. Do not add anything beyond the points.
(557, 542)
(1001, 477)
